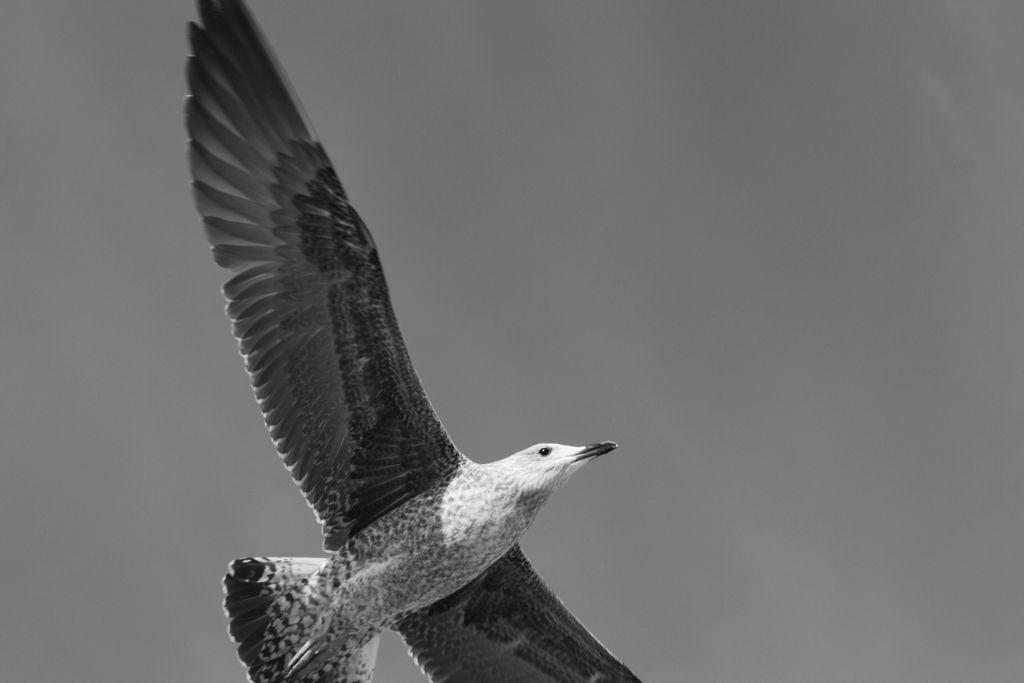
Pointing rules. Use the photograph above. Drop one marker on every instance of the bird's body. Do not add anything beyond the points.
(423, 540)
(412, 557)
(416, 555)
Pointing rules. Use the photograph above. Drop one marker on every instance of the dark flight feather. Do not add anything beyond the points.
(309, 302)
(507, 627)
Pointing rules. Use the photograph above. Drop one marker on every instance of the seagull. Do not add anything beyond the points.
(422, 540)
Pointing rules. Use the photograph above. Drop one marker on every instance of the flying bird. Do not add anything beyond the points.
(422, 540)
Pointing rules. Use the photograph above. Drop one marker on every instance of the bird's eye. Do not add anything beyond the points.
(545, 451)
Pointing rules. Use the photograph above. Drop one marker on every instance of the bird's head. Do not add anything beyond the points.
(544, 467)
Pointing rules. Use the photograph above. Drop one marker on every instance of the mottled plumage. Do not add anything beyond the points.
(507, 626)
(423, 540)
(309, 304)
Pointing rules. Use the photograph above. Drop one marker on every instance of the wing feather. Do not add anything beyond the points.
(507, 627)
(308, 301)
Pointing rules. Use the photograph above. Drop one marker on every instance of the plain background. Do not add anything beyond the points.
(775, 250)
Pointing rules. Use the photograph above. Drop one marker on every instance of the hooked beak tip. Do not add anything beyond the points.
(596, 449)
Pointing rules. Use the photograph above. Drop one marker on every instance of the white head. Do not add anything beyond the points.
(544, 467)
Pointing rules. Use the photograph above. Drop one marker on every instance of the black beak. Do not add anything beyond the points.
(596, 449)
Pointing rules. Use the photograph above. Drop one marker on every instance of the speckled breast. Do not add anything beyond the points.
(426, 549)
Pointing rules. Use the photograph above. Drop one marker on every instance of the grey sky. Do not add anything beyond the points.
(772, 249)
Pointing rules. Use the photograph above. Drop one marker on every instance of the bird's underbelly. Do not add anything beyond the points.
(418, 554)
(415, 577)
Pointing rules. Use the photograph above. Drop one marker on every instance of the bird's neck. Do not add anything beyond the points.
(483, 506)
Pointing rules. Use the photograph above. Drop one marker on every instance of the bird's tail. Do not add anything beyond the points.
(271, 607)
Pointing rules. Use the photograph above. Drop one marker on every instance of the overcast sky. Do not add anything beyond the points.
(775, 250)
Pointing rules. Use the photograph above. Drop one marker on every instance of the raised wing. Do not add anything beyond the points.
(309, 302)
(507, 627)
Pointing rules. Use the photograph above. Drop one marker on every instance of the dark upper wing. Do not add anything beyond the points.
(507, 627)
(309, 303)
